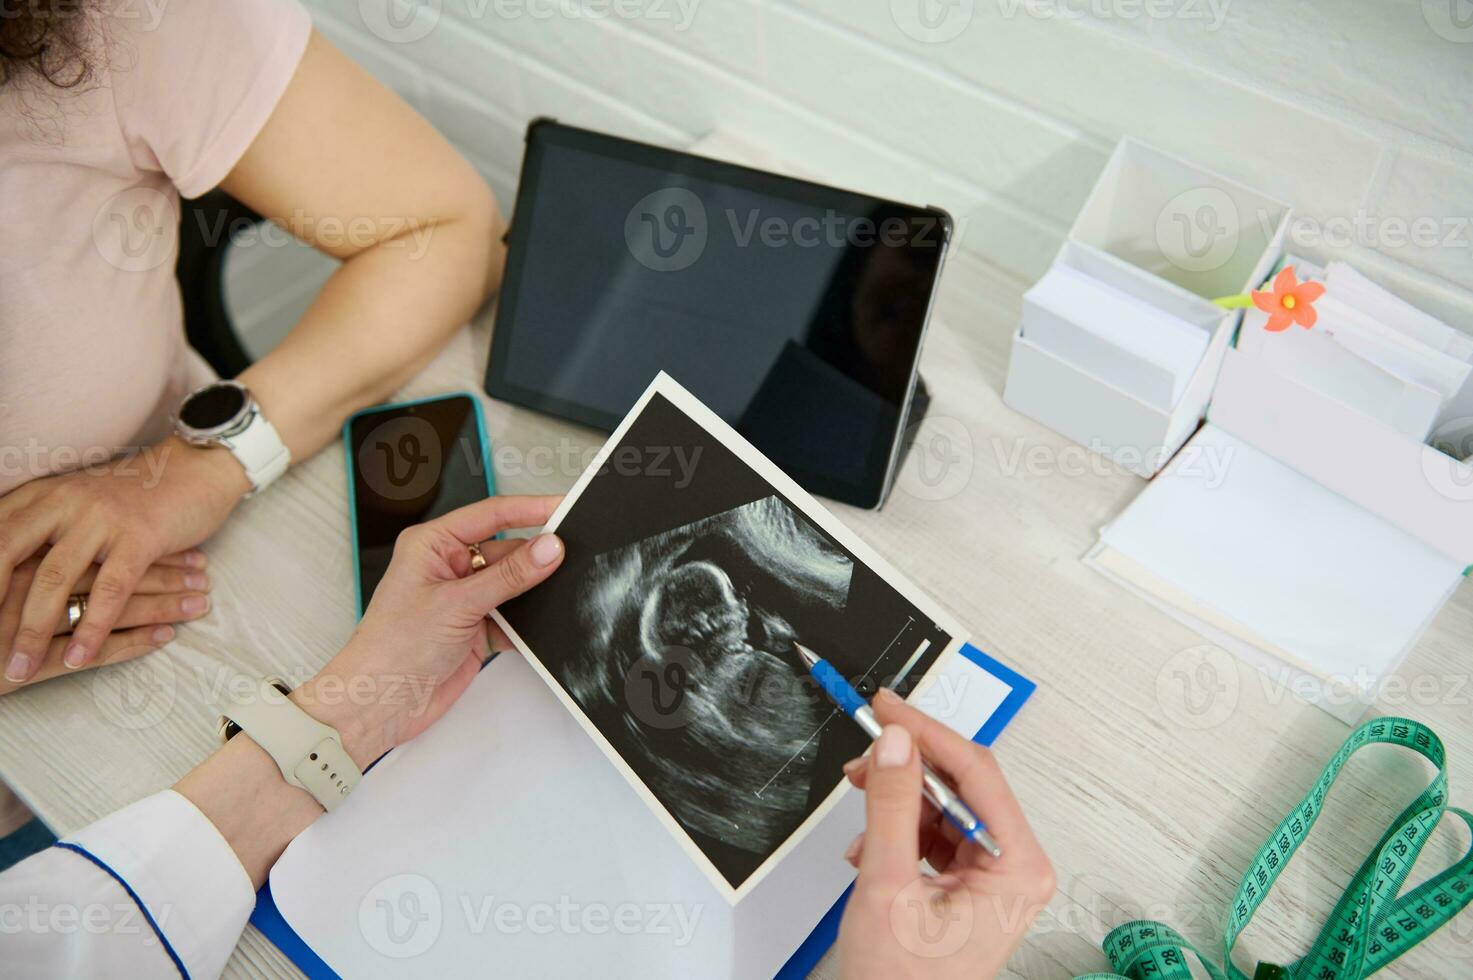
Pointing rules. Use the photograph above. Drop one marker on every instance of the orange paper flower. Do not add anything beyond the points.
(1290, 301)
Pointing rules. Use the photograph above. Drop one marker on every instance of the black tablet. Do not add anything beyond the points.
(794, 310)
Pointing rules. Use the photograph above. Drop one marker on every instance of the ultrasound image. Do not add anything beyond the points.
(705, 615)
(671, 623)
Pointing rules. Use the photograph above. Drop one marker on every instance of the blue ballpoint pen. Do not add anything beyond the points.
(942, 796)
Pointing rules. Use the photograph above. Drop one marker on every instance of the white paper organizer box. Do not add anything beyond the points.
(1223, 239)
(1413, 486)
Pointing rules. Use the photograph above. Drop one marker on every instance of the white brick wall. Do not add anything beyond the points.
(1359, 112)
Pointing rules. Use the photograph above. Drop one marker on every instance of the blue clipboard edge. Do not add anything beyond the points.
(268, 919)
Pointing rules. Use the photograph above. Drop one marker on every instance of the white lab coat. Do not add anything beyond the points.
(150, 891)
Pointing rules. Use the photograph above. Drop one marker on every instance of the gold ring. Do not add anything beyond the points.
(478, 560)
(76, 607)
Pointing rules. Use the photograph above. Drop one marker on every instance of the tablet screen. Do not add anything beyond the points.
(794, 311)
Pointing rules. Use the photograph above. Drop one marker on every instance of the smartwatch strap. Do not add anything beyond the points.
(309, 754)
(260, 450)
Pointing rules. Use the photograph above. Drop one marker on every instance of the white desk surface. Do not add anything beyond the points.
(1143, 815)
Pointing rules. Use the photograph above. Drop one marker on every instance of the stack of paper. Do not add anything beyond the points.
(1353, 288)
(1376, 353)
(1130, 343)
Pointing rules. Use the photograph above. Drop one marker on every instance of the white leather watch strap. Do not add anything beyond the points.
(309, 754)
(260, 450)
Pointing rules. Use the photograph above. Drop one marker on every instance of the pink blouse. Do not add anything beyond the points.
(93, 358)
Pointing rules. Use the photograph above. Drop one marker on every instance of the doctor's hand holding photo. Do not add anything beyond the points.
(427, 620)
(967, 919)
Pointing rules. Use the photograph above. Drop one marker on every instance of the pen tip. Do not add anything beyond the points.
(809, 657)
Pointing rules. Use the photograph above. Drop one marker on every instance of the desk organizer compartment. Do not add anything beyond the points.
(1413, 486)
(1171, 236)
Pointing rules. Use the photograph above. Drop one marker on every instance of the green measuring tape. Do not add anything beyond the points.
(1371, 925)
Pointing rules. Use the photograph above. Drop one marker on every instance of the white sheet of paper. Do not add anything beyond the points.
(1341, 591)
(502, 841)
(1318, 360)
(1355, 289)
(1115, 336)
(1399, 354)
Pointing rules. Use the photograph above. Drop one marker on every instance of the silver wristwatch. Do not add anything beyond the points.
(224, 414)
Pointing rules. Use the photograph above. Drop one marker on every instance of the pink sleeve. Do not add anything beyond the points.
(196, 83)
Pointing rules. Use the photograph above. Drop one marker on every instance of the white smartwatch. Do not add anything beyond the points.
(309, 754)
(224, 414)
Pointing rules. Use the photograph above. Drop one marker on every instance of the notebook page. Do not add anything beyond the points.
(1341, 591)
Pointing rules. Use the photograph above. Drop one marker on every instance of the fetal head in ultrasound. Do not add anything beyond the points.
(692, 646)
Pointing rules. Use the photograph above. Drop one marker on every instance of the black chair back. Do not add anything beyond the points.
(205, 226)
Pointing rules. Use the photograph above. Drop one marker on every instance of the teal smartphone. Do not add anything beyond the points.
(409, 463)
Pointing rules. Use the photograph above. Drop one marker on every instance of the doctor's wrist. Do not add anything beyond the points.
(360, 706)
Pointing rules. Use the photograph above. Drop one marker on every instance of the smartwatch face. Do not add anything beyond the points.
(213, 407)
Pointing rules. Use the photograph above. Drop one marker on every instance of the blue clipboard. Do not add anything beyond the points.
(268, 918)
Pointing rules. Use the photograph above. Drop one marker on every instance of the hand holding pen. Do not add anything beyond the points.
(933, 787)
(966, 920)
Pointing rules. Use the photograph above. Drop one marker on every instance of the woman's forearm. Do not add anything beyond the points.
(376, 323)
(345, 165)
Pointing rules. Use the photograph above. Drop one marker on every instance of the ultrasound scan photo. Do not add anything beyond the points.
(704, 617)
(692, 568)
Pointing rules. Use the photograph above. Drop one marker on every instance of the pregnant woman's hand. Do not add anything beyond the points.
(966, 920)
(121, 517)
(173, 590)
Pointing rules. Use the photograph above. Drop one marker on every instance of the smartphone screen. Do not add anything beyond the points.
(410, 464)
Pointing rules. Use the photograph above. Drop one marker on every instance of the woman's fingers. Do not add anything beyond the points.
(11, 603)
(892, 800)
(496, 640)
(164, 579)
(153, 610)
(179, 577)
(120, 646)
(934, 848)
(488, 518)
(492, 550)
(23, 532)
(522, 567)
(106, 600)
(45, 604)
(857, 771)
(160, 579)
(193, 558)
(970, 767)
(498, 548)
(936, 837)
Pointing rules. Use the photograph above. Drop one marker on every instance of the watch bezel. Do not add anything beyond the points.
(213, 434)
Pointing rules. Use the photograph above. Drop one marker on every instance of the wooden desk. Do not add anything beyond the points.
(1142, 815)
